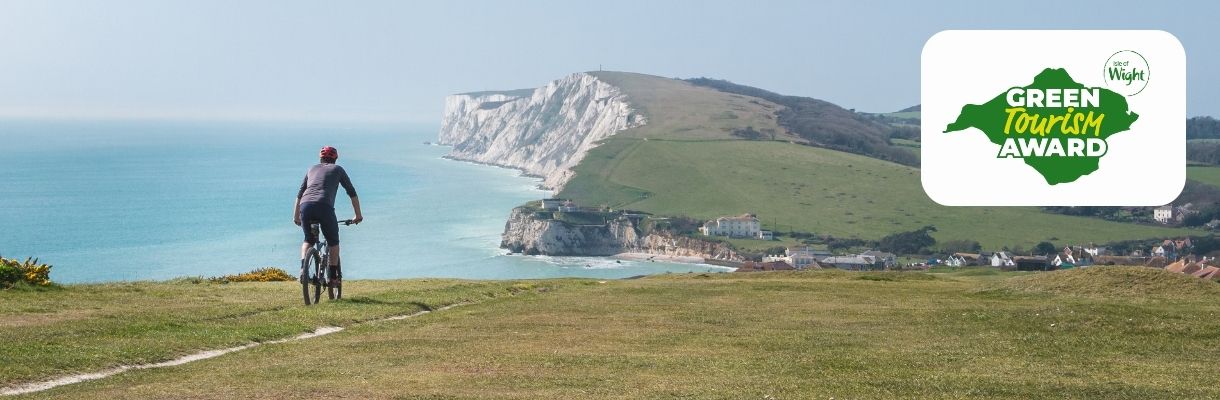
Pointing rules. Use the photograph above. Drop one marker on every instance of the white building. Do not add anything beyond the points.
(881, 258)
(1163, 214)
(553, 203)
(1001, 259)
(745, 226)
(801, 258)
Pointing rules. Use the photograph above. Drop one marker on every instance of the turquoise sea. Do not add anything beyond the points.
(140, 200)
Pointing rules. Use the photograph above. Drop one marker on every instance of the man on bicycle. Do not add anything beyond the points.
(316, 204)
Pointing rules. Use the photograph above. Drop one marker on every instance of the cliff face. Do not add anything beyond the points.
(523, 233)
(544, 132)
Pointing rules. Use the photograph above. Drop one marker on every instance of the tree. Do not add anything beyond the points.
(1044, 248)
(913, 242)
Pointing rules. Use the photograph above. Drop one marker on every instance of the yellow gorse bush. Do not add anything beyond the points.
(269, 274)
(29, 271)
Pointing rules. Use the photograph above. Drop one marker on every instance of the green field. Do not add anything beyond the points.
(906, 143)
(1098, 333)
(1209, 175)
(802, 188)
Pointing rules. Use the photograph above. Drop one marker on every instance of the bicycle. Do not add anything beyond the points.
(317, 262)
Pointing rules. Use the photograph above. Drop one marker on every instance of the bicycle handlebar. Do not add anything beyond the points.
(347, 222)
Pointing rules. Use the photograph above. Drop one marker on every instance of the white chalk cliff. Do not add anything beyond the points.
(544, 132)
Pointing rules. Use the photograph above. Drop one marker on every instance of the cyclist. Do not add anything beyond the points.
(316, 204)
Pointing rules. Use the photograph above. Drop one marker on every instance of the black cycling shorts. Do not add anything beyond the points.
(324, 215)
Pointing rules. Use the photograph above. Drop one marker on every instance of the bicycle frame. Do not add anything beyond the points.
(321, 275)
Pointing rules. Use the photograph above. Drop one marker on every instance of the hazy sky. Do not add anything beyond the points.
(396, 60)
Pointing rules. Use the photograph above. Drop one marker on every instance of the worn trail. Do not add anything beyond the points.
(203, 355)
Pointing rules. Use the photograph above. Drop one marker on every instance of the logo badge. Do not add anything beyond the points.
(1024, 118)
(1127, 72)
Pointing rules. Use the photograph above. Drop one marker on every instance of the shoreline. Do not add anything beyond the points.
(520, 172)
(647, 257)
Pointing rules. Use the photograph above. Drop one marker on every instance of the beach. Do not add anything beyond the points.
(660, 258)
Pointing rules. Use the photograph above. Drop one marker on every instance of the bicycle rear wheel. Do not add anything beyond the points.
(334, 287)
(311, 275)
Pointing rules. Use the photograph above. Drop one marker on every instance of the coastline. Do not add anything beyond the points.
(520, 171)
(659, 257)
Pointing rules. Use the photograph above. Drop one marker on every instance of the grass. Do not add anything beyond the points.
(751, 335)
(905, 143)
(1209, 175)
(676, 109)
(908, 115)
(685, 162)
(80, 328)
(1116, 282)
(802, 188)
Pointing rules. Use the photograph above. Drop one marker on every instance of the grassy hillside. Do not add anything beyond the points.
(1209, 175)
(969, 334)
(682, 163)
(678, 109)
(802, 188)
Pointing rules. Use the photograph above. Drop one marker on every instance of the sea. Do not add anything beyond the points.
(105, 201)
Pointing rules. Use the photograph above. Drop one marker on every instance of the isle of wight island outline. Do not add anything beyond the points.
(1057, 125)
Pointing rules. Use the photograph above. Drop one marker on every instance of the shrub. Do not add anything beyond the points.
(9, 275)
(269, 274)
(28, 271)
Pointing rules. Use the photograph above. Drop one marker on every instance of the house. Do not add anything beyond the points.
(1163, 214)
(1208, 272)
(742, 226)
(852, 263)
(777, 266)
(801, 258)
(1171, 249)
(971, 259)
(765, 235)
(881, 259)
(553, 203)
(818, 255)
(568, 206)
(804, 257)
(1064, 261)
(1001, 259)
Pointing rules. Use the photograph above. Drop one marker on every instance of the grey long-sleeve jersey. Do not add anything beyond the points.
(322, 182)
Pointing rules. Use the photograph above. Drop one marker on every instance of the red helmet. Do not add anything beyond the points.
(329, 152)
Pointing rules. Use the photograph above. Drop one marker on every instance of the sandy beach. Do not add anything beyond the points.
(660, 257)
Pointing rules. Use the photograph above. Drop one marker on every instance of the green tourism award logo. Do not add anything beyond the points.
(1084, 118)
(1056, 125)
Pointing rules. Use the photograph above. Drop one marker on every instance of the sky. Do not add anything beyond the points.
(397, 60)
